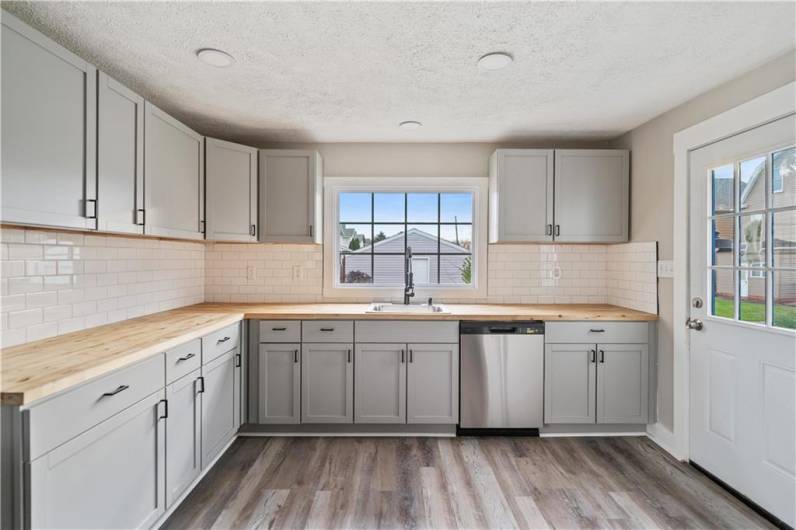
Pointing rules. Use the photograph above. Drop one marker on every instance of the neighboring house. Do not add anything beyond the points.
(347, 235)
(752, 283)
(390, 268)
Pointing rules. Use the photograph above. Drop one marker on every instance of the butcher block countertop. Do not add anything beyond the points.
(35, 370)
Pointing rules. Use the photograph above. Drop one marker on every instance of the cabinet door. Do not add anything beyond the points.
(622, 382)
(521, 195)
(280, 383)
(183, 435)
(380, 383)
(120, 157)
(218, 405)
(174, 177)
(290, 196)
(432, 383)
(570, 375)
(327, 383)
(111, 476)
(231, 177)
(592, 195)
(49, 131)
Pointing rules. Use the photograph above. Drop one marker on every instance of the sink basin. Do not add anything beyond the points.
(413, 309)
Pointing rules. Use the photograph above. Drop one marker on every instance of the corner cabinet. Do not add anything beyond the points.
(174, 177)
(291, 202)
(49, 127)
(231, 179)
(559, 195)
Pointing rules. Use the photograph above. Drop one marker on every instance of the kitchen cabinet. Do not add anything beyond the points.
(173, 177)
(111, 476)
(432, 381)
(291, 202)
(592, 195)
(380, 383)
(570, 393)
(521, 195)
(217, 386)
(622, 380)
(183, 435)
(231, 180)
(279, 383)
(327, 383)
(120, 157)
(49, 129)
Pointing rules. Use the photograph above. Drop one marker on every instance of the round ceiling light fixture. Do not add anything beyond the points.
(495, 61)
(214, 57)
(410, 125)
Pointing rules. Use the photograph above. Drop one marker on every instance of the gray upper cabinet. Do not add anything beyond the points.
(622, 382)
(569, 392)
(327, 383)
(592, 195)
(432, 384)
(111, 476)
(521, 195)
(290, 196)
(183, 435)
(380, 383)
(279, 383)
(218, 405)
(174, 177)
(49, 129)
(231, 179)
(120, 157)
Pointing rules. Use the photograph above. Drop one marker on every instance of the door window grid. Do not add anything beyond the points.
(749, 265)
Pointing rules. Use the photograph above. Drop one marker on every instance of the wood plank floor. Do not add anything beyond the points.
(463, 482)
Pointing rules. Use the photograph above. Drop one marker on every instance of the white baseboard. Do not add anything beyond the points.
(665, 439)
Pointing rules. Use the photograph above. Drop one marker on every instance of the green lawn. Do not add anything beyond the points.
(784, 315)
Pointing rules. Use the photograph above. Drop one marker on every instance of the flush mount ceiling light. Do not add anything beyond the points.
(410, 125)
(213, 57)
(495, 61)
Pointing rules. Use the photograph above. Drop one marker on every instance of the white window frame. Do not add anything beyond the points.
(333, 186)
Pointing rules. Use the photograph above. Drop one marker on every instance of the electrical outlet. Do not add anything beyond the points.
(251, 272)
(666, 268)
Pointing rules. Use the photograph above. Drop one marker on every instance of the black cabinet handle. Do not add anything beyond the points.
(602, 356)
(593, 355)
(120, 388)
(596, 331)
(219, 341)
(411, 356)
(349, 356)
(403, 352)
(189, 356)
(327, 329)
(237, 360)
(165, 409)
(558, 230)
(201, 379)
(278, 329)
(295, 356)
(548, 230)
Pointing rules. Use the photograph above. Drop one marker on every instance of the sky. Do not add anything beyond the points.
(421, 207)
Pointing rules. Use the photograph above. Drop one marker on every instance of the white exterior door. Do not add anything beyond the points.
(743, 293)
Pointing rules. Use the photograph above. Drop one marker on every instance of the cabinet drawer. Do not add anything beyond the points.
(280, 331)
(438, 331)
(596, 331)
(65, 416)
(327, 331)
(221, 341)
(183, 359)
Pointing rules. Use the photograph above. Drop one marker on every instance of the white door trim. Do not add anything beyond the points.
(763, 109)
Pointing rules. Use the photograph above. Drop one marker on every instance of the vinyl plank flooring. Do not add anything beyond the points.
(442, 483)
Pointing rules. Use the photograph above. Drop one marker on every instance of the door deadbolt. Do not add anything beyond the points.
(696, 302)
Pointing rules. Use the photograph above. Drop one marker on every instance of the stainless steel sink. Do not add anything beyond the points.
(415, 309)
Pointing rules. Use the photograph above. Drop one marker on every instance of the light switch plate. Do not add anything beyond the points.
(666, 268)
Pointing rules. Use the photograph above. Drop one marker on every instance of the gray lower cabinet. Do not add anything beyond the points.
(327, 383)
(570, 395)
(279, 382)
(218, 383)
(49, 131)
(380, 383)
(432, 394)
(111, 476)
(183, 435)
(231, 180)
(622, 380)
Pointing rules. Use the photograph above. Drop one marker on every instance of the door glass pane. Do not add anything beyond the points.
(723, 296)
(783, 178)
(753, 240)
(355, 268)
(752, 291)
(723, 238)
(753, 183)
(353, 237)
(422, 207)
(784, 239)
(723, 189)
(355, 207)
(388, 207)
(785, 299)
(456, 207)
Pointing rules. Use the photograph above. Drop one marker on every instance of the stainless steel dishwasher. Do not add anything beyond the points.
(502, 374)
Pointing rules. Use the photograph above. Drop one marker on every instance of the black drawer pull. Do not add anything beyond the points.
(189, 356)
(327, 329)
(120, 388)
(201, 380)
(602, 356)
(278, 329)
(165, 409)
(295, 356)
(596, 331)
(219, 341)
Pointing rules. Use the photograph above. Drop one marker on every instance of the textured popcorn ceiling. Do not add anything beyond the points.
(331, 72)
